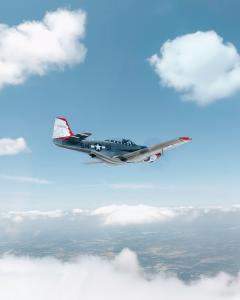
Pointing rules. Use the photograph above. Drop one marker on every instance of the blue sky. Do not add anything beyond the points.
(116, 93)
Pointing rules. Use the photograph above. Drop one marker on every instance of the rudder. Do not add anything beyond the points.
(61, 129)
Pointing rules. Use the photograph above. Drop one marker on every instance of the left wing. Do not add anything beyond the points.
(106, 158)
(144, 153)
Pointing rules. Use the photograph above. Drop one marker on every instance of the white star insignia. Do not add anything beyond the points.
(98, 147)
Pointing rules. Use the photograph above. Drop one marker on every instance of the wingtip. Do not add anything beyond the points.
(185, 138)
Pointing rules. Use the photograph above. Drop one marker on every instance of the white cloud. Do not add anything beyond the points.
(26, 179)
(123, 215)
(77, 211)
(134, 214)
(12, 146)
(35, 47)
(93, 278)
(200, 65)
(20, 216)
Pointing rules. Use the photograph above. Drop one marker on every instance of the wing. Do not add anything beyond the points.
(105, 158)
(144, 153)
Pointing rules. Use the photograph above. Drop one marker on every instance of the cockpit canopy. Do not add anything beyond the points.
(121, 141)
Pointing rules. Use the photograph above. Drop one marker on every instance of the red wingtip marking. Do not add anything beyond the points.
(185, 138)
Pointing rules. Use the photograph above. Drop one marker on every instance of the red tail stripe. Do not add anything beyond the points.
(65, 120)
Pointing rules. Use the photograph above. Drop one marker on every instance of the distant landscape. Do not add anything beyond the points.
(189, 246)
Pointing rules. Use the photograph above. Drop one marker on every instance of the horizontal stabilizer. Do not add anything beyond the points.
(83, 136)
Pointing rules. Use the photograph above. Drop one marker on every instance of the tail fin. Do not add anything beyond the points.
(61, 129)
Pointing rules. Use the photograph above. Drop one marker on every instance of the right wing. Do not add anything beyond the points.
(144, 153)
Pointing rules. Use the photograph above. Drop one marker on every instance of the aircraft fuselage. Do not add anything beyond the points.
(109, 148)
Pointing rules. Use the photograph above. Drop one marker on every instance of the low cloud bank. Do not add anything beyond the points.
(93, 278)
(20, 216)
(123, 215)
(135, 214)
(200, 65)
(35, 47)
(143, 214)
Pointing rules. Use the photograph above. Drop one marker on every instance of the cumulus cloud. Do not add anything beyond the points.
(94, 278)
(35, 47)
(26, 179)
(123, 215)
(135, 214)
(12, 146)
(200, 65)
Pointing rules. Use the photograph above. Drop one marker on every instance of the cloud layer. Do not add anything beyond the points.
(35, 47)
(92, 278)
(199, 65)
(20, 216)
(12, 146)
(123, 215)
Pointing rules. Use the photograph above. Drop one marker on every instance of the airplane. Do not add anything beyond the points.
(110, 151)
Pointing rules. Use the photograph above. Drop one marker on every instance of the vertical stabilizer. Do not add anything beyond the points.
(61, 129)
